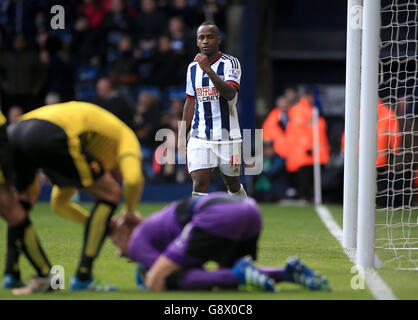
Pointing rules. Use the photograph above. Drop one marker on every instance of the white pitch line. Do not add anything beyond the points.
(379, 289)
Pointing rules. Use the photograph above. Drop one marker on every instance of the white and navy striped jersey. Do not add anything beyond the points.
(215, 118)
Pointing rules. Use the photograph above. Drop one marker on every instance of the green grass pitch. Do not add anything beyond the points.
(287, 231)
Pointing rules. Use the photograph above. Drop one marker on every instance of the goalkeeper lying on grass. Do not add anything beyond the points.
(172, 245)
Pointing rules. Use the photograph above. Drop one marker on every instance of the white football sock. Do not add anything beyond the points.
(198, 194)
(241, 194)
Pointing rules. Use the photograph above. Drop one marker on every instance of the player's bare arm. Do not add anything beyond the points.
(160, 270)
(225, 89)
(133, 182)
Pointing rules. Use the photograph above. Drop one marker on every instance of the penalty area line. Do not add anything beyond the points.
(378, 287)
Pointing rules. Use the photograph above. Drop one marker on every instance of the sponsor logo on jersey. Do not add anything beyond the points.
(207, 94)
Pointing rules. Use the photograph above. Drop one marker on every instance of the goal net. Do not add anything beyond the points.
(397, 159)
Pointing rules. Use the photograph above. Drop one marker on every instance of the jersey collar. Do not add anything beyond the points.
(216, 59)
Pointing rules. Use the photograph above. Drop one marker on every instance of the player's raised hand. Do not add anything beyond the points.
(203, 61)
(131, 218)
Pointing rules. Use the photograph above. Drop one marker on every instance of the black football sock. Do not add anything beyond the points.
(13, 246)
(12, 255)
(22, 237)
(94, 236)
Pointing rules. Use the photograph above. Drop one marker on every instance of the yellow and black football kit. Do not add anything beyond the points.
(22, 236)
(75, 143)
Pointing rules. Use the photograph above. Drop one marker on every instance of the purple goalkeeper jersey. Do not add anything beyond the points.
(170, 230)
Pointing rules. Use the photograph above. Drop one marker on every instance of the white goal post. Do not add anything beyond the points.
(380, 212)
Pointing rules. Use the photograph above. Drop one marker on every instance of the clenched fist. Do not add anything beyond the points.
(203, 62)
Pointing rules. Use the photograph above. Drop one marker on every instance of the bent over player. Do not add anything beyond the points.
(21, 235)
(173, 245)
(213, 82)
(77, 145)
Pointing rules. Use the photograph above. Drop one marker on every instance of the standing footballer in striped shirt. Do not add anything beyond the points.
(213, 81)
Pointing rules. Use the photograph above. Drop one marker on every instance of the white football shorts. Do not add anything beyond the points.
(204, 154)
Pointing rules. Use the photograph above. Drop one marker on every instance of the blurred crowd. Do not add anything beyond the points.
(128, 56)
(288, 134)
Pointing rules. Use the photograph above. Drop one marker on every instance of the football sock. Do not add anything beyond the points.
(13, 251)
(201, 279)
(61, 203)
(198, 194)
(94, 235)
(73, 212)
(12, 255)
(277, 274)
(22, 237)
(241, 194)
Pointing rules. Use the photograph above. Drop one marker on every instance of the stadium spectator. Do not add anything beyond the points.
(171, 172)
(275, 130)
(59, 69)
(214, 11)
(21, 236)
(300, 142)
(389, 142)
(22, 75)
(87, 44)
(177, 32)
(171, 258)
(146, 119)
(175, 111)
(167, 62)
(22, 17)
(123, 70)
(117, 22)
(94, 10)
(150, 21)
(182, 40)
(78, 145)
(165, 171)
(389, 137)
(180, 8)
(110, 99)
(212, 108)
(271, 184)
(144, 55)
(291, 95)
(274, 126)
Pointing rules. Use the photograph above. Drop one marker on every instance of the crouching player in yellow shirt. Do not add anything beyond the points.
(77, 145)
(21, 235)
